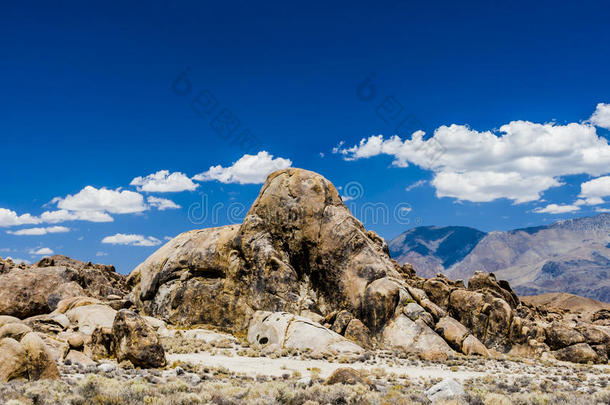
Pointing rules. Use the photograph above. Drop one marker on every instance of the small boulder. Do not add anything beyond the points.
(13, 360)
(41, 364)
(444, 390)
(452, 331)
(135, 340)
(379, 304)
(473, 346)
(79, 358)
(357, 332)
(559, 336)
(415, 311)
(341, 321)
(349, 376)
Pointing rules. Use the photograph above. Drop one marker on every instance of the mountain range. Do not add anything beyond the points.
(570, 256)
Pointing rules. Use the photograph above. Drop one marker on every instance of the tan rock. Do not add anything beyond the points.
(87, 318)
(414, 337)
(14, 331)
(4, 319)
(13, 360)
(76, 341)
(559, 336)
(67, 304)
(452, 331)
(358, 333)
(135, 340)
(349, 376)
(298, 248)
(35, 291)
(341, 321)
(76, 357)
(415, 311)
(577, 353)
(56, 347)
(473, 346)
(40, 362)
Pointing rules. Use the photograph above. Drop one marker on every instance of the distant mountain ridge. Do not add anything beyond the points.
(570, 256)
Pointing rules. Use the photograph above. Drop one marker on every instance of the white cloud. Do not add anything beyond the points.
(18, 261)
(417, 184)
(589, 201)
(42, 252)
(556, 209)
(91, 199)
(596, 188)
(249, 169)
(54, 217)
(164, 182)
(162, 204)
(40, 231)
(100, 254)
(601, 116)
(131, 240)
(10, 218)
(519, 162)
(602, 210)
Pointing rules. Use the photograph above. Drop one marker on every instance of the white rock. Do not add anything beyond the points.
(446, 389)
(281, 330)
(107, 367)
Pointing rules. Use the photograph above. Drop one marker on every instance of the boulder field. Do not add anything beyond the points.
(300, 273)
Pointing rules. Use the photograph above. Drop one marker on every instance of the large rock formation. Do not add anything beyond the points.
(300, 251)
(33, 290)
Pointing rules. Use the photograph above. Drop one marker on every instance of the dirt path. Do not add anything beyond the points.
(253, 366)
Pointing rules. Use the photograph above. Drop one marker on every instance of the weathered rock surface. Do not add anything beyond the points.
(34, 290)
(274, 331)
(13, 360)
(349, 376)
(300, 251)
(135, 340)
(28, 359)
(87, 318)
(40, 362)
(299, 248)
(445, 390)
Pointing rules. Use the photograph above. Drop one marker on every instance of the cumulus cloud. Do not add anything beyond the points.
(162, 204)
(519, 161)
(131, 240)
(249, 169)
(42, 252)
(91, 199)
(40, 231)
(164, 182)
(596, 188)
(54, 217)
(601, 116)
(557, 209)
(10, 218)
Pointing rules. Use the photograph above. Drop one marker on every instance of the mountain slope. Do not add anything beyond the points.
(432, 249)
(568, 256)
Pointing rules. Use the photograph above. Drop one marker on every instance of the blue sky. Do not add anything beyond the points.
(92, 95)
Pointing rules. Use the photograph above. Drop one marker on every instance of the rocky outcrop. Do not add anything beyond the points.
(300, 251)
(299, 248)
(34, 290)
(135, 340)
